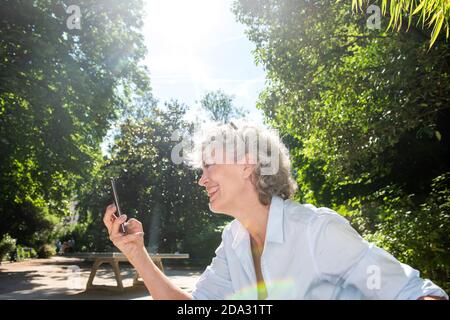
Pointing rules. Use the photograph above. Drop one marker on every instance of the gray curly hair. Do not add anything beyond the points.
(272, 173)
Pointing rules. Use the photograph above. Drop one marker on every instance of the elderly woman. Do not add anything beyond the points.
(275, 248)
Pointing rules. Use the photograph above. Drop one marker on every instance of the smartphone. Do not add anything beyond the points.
(116, 202)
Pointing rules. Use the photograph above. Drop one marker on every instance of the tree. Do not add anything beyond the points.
(58, 94)
(219, 106)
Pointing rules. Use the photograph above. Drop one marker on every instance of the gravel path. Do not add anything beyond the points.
(66, 278)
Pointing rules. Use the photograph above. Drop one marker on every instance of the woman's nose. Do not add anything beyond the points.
(203, 180)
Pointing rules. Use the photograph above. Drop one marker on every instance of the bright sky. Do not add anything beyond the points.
(196, 46)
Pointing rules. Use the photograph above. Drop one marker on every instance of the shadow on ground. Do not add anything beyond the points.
(54, 279)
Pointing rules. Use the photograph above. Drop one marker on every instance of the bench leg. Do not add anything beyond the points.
(115, 265)
(136, 280)
(97, 264)
(159, 264)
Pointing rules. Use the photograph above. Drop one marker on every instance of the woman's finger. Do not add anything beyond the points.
(115, 228)
(134, 226)
(109, 216)
(121, 240)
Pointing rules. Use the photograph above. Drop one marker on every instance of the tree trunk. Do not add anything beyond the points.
(154, 230)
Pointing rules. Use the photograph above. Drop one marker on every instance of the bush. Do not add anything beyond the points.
(7, 245)
(46, 251)
(25, 253)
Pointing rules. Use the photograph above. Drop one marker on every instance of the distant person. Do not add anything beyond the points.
(13, 256)
(58, 246)
(275, 248)
(63, 247)
(70, 245)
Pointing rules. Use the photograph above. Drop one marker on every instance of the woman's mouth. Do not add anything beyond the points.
(212, 192)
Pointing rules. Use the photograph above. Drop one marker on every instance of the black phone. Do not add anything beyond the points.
(116, 202)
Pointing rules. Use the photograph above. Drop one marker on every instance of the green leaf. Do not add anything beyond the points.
(419, 7)
(436, 30)
(438, 135)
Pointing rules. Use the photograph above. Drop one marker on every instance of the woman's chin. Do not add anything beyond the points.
(212, 207)
(215, 207)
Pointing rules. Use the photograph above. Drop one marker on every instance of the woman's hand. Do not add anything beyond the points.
(130, 244)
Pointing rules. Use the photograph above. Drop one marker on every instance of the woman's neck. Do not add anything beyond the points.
(253, 215)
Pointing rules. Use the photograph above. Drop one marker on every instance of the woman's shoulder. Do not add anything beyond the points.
(308, 214)
(323, 227)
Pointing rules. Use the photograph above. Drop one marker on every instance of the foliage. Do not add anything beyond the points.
(219, 106)
(58, 94)
(25, 253)
(434, 13)
(46, 251)
(7, 245)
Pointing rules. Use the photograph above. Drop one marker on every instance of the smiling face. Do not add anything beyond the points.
(251, 165)
(225, 185)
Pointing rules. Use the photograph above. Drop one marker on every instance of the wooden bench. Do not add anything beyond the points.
(113, 258)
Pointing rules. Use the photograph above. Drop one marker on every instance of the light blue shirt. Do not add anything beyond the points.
(309, 253)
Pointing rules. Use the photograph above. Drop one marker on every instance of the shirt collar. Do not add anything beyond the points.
(274, 230)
